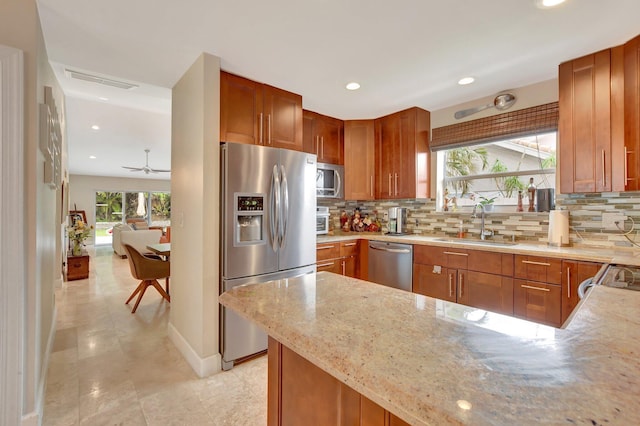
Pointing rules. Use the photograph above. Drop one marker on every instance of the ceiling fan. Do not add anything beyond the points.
(501, 102)
(146, 167)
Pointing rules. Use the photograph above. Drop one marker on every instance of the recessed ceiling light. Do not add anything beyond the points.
(95, 127)
(102, 98)
(549, 3)
(92, 157)
(466, 80)
(353, 86)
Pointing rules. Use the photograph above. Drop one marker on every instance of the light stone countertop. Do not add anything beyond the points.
(423, 359)
(625, 256)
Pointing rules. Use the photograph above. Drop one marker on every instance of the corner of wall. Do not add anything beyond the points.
(203, 367)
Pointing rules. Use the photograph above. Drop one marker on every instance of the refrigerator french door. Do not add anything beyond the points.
(268, 233)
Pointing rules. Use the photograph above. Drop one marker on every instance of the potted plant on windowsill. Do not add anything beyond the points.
(487, 203)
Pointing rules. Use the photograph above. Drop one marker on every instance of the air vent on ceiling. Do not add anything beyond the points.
(100, 80)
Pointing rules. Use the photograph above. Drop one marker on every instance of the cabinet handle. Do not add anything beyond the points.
(568, 283)
(261, 128)
(269, 127)
(396, 184)
(626, 161)
(604, 177)
(325, 264)
(534, 288)
(344, 272)
(531, 262)
(324, 247)
(390, 193)
(322, 149)
(450, 285)
(455, 253)
(372, 185)
(460, 284)
(318, 146)
(349, 244)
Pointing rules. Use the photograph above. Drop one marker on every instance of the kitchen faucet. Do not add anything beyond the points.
(484, 234)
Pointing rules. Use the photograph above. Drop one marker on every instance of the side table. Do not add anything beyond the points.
(77, 267)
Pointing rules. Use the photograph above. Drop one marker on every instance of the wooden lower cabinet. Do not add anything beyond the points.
(77, 267)
(536, 301)
(300, 393)
(574, 272)
(435, 281)
(486, 291)
(339, 258)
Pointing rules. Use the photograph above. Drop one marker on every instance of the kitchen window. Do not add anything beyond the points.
(491, 160)
(494, 173)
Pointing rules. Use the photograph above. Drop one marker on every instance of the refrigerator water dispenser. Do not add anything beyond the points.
(249, 219)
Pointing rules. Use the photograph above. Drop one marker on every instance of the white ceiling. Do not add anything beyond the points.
(404, 53)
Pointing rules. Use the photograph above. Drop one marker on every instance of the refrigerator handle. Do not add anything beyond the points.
(284, 218)
(274, 207)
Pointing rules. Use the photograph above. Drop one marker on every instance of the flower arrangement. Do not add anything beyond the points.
(77, 234)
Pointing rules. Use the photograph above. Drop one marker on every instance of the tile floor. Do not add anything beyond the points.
(111, 367)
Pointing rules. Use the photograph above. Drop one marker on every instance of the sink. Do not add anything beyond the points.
(479, 242)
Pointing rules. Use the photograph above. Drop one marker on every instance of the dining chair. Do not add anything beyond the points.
(149, 270)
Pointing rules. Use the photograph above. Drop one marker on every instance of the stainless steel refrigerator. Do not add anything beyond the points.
(268, 230)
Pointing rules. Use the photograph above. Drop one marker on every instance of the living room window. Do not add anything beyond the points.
(116, 207)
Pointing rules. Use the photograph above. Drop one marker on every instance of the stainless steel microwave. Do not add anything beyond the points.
(329, 181)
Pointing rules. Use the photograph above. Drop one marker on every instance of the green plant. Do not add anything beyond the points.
(486, 201)
(463, 162)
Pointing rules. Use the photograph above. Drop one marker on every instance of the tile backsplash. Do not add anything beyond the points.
(585, 218)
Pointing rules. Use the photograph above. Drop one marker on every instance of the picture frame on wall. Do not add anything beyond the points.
(75, 215)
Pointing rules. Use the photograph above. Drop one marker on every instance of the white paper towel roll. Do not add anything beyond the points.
(559, 228)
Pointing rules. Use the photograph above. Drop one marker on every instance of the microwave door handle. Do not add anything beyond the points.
(284, 217)
(339, 184)
(274, 206)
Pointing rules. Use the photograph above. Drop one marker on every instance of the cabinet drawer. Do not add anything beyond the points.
(490, 262)
(348, 248)
(537, 302)
(443, 256)
(326, 251)
(333, 265)
(541, 269)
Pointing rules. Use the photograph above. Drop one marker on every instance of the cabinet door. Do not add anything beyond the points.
(240, 109)
(435, 281)
(308, 137)
(330, 148)
(350, 266)
(585, 124)
(632, 113)
(387, 154)
(404, 176)
(574, 272)
(359, 161)
(537, 302)
(486, 291)
(282, 122)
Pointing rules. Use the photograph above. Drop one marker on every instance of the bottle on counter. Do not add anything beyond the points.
(461, 231)
(532, 195)
(520, 207)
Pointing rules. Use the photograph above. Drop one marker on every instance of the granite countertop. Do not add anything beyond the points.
(434, 362)
(626, 256)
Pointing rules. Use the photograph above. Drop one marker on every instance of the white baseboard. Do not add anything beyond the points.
(35, 418)
(202, 366)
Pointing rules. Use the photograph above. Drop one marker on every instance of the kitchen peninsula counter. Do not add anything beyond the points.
(434, 362)
(626, 256)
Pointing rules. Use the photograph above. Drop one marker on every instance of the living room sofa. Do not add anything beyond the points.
(138, 239)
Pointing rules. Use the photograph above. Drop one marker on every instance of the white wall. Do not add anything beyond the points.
(20, 28)
(195, 164)
(82, 190)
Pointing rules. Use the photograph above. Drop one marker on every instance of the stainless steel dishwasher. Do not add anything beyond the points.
(391, 264)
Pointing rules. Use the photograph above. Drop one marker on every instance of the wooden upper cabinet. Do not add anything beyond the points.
(359, 160)
(323, 136)
(402, 154)
(256, 113)
(631, 52)
(585, 123)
